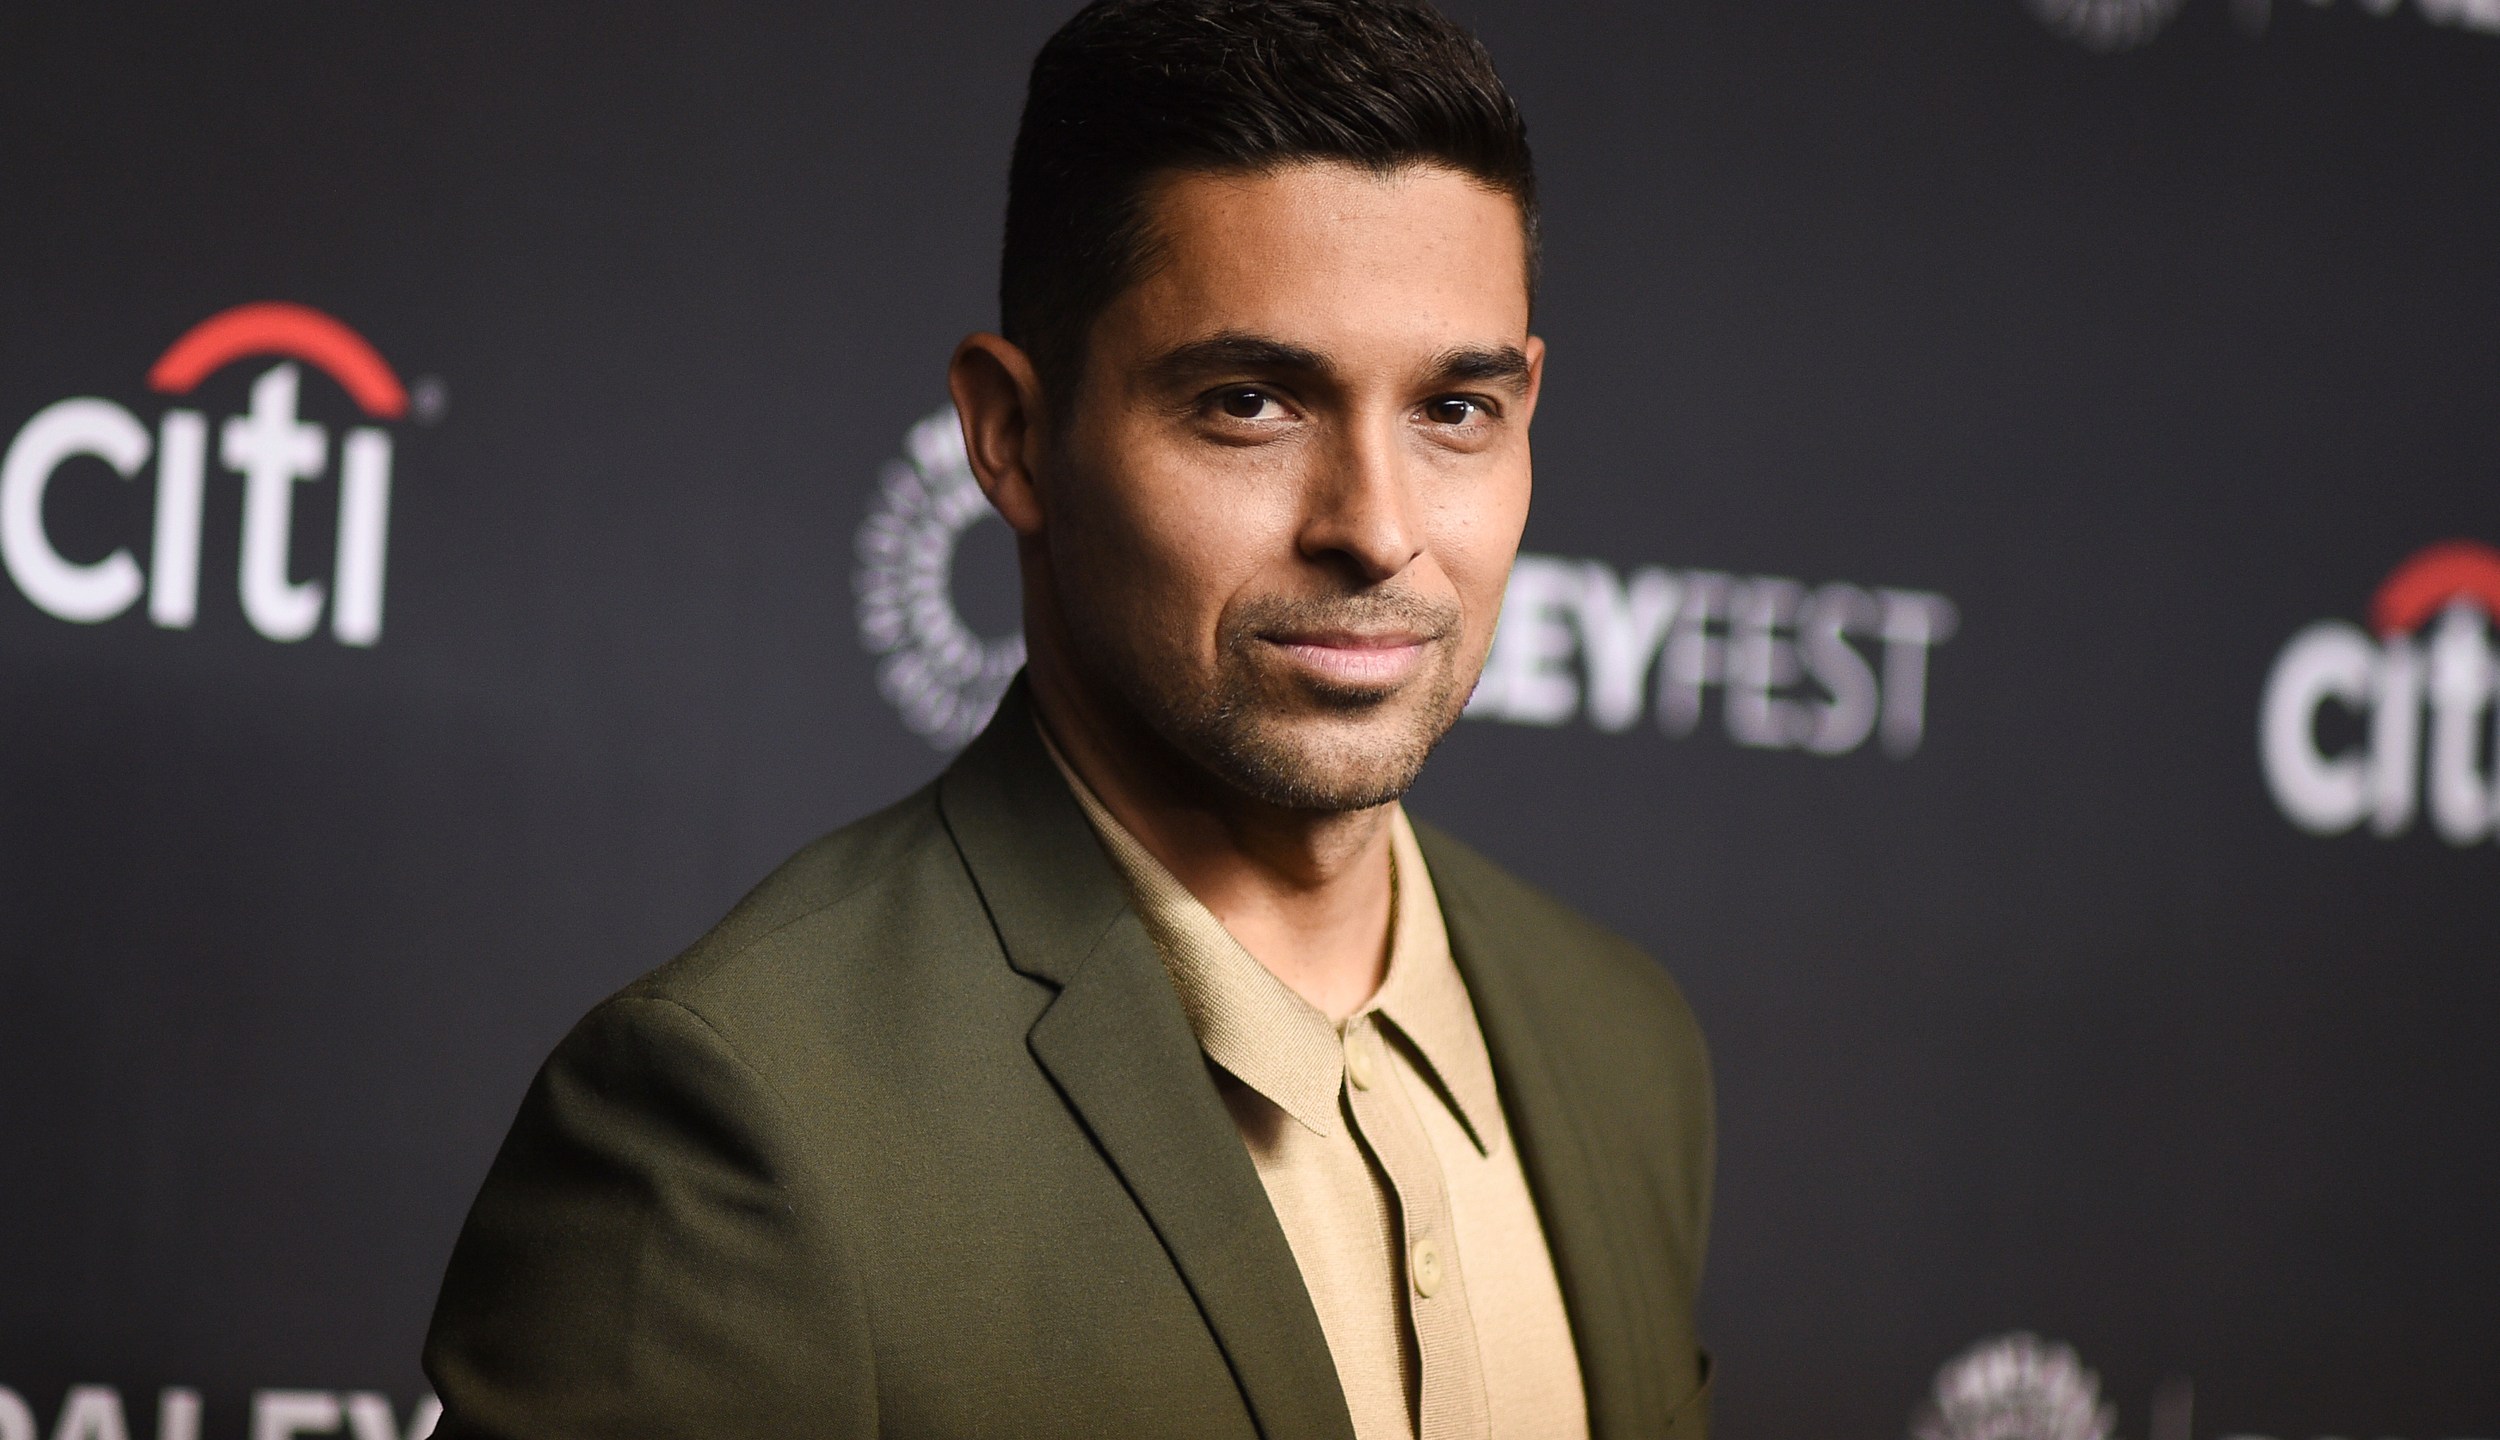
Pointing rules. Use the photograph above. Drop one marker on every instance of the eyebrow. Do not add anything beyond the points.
(1504, 365)
(1230, 352)
(1233, 352)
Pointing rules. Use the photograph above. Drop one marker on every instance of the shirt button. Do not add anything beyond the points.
(1358, 1060)
(1427, 1268)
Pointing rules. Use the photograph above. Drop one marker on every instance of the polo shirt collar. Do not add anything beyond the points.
(1269, 1038)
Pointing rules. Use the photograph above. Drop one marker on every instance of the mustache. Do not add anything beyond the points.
(1362, 611)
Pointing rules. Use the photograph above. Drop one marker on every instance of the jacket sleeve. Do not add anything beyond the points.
(643, 1261)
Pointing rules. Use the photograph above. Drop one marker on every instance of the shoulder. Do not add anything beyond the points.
(847, 870)
(1616, 1005)
(869, 931)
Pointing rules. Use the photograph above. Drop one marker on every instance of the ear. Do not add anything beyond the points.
(1535, 351)
(999, 400)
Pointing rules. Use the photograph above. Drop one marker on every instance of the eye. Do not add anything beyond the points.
(1452, 410)
(1244, 404)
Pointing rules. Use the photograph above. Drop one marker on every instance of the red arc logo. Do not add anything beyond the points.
(299, 332)
(2423, 585)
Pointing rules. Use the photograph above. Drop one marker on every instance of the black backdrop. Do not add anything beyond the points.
(2145, 360)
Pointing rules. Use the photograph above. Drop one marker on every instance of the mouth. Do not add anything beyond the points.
(1353, 659)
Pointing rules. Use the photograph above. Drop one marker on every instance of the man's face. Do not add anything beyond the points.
(1294, 473)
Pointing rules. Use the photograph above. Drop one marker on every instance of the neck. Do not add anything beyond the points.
(1306, 892)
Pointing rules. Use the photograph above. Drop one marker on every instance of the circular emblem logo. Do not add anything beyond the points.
(942, 677)
(2016, 1387)
(2106, 25)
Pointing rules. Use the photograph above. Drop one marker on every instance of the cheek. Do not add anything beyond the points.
(1167, 544)
(1475, 537)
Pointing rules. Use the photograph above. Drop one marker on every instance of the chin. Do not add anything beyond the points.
(1326, 758)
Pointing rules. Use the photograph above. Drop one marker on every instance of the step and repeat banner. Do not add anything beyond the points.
(2008, 620)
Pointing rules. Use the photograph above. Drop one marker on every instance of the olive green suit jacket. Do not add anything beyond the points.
(918, 1142)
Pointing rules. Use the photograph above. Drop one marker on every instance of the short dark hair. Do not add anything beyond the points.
(1132, 91)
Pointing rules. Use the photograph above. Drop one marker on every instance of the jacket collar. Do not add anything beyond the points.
(1579, 1197)
(1116, 1043)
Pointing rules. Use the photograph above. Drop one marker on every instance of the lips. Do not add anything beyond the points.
(1368, 659)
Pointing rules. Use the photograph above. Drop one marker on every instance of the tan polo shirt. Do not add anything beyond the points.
(1383, 1150)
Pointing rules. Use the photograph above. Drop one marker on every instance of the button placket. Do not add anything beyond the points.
(1451, 1401)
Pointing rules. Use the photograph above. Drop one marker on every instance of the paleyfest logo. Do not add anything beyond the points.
(97, 1412)
(1820, 669)
(2021, 1387)
(2377, 725)
(2113, 25)
(268, 446)
(2106, 24)
(2016, 1387)
(943, 678)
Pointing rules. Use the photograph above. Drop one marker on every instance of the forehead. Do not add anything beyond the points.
(1333, 255)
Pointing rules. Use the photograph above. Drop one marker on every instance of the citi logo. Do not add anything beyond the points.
(269, 447)
(2376, 725)
(1818, 669)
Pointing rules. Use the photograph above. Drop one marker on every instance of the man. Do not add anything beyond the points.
(1149, 1073)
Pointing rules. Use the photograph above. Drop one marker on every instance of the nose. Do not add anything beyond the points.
(1360, 513)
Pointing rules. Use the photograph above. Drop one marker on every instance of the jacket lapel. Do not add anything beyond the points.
(1115, 1042)
(1561, 1151)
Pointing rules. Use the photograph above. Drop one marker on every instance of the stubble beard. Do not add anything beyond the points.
(1288, 740)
